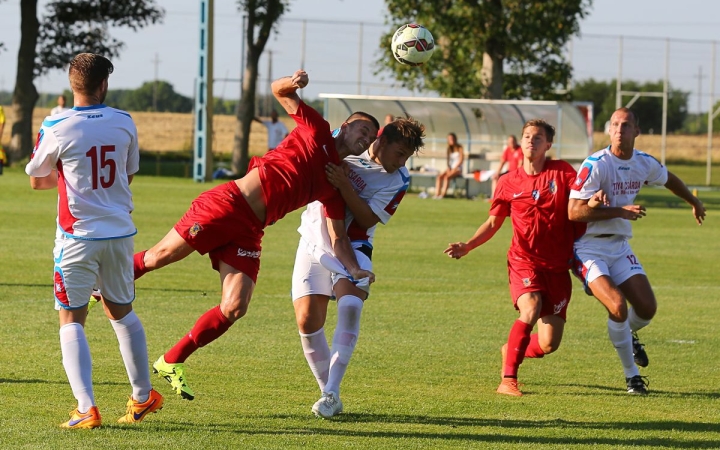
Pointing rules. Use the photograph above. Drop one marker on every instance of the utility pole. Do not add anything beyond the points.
(156, 62)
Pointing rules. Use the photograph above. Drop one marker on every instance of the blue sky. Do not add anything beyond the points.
(333, 48)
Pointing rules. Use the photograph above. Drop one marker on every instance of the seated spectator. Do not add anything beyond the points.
(455, 157)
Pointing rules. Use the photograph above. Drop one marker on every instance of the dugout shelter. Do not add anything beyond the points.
(481, 126)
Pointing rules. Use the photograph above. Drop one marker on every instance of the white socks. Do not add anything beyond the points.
(133, 348)
(619, 333)
(317, 354)
(344, 340)
(78, 364)
(636, 323)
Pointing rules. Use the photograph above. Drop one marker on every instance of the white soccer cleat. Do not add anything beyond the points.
(328, 406)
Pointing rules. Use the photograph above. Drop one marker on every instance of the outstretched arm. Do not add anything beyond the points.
(677, 187)
(483, 234)
(285, 90)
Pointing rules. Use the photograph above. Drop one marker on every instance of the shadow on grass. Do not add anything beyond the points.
(39, 381)
(463, 429)
(620, 391)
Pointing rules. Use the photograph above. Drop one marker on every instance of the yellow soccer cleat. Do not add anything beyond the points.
(175, 375)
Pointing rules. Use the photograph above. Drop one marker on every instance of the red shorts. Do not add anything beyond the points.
(555, 287)
(221, 222)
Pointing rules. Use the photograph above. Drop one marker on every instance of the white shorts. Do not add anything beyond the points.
(611, 256)
(83, 264)
(311, 277)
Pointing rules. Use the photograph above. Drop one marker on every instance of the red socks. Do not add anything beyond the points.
(518, 341)
(208, 327)
(533, 349)
(139, 264)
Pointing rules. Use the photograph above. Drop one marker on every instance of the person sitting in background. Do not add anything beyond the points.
(455, 157)
(60, 106)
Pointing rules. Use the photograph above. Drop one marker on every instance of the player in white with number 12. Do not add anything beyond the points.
(90, 153)
(604, 260)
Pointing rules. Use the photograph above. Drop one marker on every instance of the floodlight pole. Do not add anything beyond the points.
(202, 151)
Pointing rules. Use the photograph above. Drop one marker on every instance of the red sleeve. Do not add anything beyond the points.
(334, 206)
(307, 118)
(500, 205)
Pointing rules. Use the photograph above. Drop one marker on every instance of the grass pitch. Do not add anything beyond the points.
(427, 363)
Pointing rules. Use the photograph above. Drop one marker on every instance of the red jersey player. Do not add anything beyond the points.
(228, 221)
(535, 196)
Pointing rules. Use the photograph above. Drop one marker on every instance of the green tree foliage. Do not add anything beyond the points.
(68, 27)
(647, 109)
(261, 16)
(489, 48)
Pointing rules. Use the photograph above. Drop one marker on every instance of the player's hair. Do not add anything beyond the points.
(629, 111)
(363, 115)
(88, 71)
(539, 123)
(406, 130)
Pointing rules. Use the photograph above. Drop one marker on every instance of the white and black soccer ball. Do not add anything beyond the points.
(412, 44)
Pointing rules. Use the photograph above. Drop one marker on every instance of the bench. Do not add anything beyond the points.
(475, 180)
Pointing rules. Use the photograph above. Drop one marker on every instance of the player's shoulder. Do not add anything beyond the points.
(119, 112)
(54, 119)
(600, 157)
(646, 157)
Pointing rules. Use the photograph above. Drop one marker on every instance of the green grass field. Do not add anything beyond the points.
(427, 363)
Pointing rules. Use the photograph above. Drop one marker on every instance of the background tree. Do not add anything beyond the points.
(489, 48)
(261, 16)
(647, 109)
(68, 27)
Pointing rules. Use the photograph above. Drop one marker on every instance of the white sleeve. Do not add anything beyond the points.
(133, 160)
(657, 173)
(386, 201)
(588, 180)
(45, 155)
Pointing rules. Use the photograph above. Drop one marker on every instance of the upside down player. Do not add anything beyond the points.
(604, 260)
(373, 188)
(535, 196)
(228, 221)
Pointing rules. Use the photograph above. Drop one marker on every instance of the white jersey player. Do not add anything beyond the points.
(604, 260)
(373, 187)
(89, 153)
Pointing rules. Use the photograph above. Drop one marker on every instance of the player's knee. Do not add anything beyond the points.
(234, 308)
(307, 323)
(549, 347)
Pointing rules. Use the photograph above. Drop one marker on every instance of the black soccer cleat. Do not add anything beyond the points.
(637, 385)
(641, 358)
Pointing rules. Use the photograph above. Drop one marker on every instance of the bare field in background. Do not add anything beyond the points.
(168, 132)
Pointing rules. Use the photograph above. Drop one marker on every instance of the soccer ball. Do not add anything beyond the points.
(412, 44)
